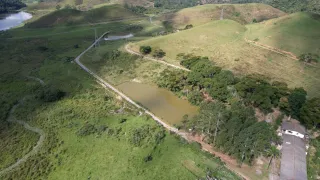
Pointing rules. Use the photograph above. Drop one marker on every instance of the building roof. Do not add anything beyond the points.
(293, 126)
(293, 159)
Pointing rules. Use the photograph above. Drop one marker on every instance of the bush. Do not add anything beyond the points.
(134, 28)
(158, 53)
(50, 94)
(309, 58)
(147, 158)
(189, 26)
(195, 97)
(86, 130)
(42, 48)
(145, 49)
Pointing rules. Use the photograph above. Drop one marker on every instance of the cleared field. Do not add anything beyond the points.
(223, 42)
(298, 33)
(242, 13)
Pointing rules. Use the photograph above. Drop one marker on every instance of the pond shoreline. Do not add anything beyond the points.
(12, 20)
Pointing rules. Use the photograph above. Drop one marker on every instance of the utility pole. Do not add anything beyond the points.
(96, 37)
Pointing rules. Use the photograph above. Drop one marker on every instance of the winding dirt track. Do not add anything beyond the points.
(225, 158)
(36, 148)
(153, 59)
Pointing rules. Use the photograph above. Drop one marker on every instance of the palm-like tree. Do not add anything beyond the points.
(273, 152)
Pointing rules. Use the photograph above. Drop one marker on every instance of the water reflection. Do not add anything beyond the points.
(13, 20)
(161, 102)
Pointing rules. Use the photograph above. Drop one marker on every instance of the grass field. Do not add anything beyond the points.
(298, 33)
(224, 43)
(75, 17)
(242, 13)
(89, 133)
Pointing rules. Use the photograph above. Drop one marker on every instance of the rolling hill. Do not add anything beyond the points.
(298, 33)
(242, 13)
(224, 43)
(75, 17)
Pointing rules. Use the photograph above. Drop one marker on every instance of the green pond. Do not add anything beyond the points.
(161, 102)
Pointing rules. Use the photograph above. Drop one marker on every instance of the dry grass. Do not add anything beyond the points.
(223, 42)
(298, 33)
(242, 13)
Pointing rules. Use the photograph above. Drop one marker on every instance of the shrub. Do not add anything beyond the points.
(123, 120)
(145, 49)
(189, 26)
(254, 20)
(42, 48)
(309, 58)
(158, 53)
(50, 94)
(86, 130)
(147, 158)
(134, 28)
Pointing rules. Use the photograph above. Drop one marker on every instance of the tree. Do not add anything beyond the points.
(257, 91)
(310, 113)
(308, 58)
(273, 152)
(195, 97)
(58, 7)
(10, 5)
(253, 141)
(296, 100)
(209, 120)
(145, 49)
(189, 26)
(50, 94)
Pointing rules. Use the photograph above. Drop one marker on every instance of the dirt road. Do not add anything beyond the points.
(36, 148)
(153, 59)
(229, 163)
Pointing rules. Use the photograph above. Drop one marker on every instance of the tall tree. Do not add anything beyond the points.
(310, 113)
(296, 100)
(210, 119)
(273, 152)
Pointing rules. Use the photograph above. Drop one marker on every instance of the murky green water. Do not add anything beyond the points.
(160, 102)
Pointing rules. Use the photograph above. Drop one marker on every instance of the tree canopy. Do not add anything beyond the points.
(10, 5)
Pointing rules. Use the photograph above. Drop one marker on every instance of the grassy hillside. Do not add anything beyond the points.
(224, 43)
(90, 134)
(74, 17)
(242, 13)
(298, 33)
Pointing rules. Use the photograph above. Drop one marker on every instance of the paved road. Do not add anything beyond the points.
(36, 148)
(293, 158)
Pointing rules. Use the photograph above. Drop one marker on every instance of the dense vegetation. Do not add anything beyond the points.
(234, 130)
(10, 5)
(79, 117)
(289, 6)
(226, 117)
(313, 165)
